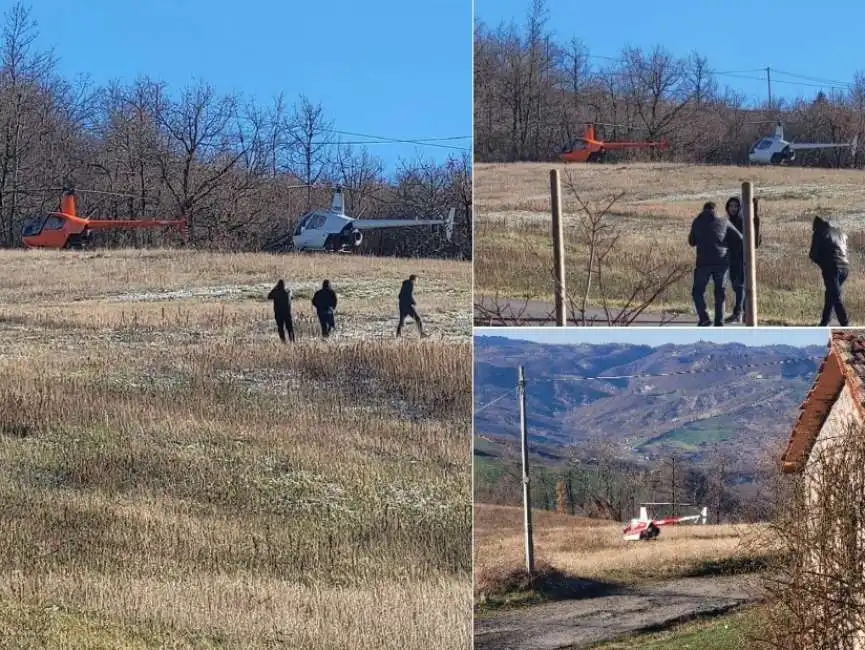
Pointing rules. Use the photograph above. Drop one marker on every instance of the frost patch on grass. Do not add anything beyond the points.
(263, 381)
(415, 497)
(181, 294)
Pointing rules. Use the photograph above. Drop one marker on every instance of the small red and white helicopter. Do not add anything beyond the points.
(646, 527)
(776, 150)
(332, 230)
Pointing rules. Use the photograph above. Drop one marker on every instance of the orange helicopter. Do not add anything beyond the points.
(65, 229)
(590, 149)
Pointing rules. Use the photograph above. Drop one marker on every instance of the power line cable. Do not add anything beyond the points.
(371, 142)
(497, 399)
(427, 142)
(815, 82)
(680, 372)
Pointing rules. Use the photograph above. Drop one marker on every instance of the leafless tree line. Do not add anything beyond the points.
(534, 93)
(596, 482)
(228, 165)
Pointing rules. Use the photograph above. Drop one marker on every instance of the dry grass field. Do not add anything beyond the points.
(594, 549)
(174, 476)
(513, 253)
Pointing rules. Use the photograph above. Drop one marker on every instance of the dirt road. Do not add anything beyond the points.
(582, 622)
(512, 312)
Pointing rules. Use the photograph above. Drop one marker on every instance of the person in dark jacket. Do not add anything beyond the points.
(829, 252)
(282, 310)
(712, 236)
(406, 306)
(737, 254)
(324, 301)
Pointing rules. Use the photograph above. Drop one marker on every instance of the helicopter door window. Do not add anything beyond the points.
(53, 222)
(33, 227)
(303, 223)
(317, 222)
(765, 143)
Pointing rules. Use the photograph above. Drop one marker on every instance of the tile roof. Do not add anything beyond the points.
(844, 364)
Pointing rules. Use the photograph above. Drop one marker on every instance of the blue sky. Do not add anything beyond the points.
(798, 337)
(793, 36)
(386, 68)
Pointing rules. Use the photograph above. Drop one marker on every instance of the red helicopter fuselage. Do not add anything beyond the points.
(65, 229)
(590, 149)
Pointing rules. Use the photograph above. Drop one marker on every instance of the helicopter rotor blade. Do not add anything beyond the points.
(37, 190)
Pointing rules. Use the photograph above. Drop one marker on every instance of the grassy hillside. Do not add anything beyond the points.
(593, 550)
(513, 252)
(172, 475)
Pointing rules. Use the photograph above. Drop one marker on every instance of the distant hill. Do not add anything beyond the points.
(643, 418)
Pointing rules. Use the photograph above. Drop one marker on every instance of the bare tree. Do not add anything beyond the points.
(24, 76)
(649, 278)
(361, 173)
(817, 583)
(199, 149)
(311, 155)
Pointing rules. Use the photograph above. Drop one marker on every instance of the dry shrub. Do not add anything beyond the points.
(816, 585)
(503, 580)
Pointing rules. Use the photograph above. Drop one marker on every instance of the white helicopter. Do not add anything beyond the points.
(333, 231)
(646, 527)
(776, 150)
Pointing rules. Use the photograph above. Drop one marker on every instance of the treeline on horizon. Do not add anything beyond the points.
(601, 486)
(535, 91)
(234, 169)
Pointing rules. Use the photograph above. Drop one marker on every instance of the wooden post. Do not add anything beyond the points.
(747, 207)
(558, 248)
(527, 500)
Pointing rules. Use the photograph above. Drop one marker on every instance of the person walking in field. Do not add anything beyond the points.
(324, 301)
(282, 310)
(406, 306)
(737, 254)
(712, 236)
(829, 252)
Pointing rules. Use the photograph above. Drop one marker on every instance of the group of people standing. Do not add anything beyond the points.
(325, 301)
(720, 253)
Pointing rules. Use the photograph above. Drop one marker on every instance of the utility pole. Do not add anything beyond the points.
(527, 501)
(558, 247)
(769, 84)
(674, 487)
(747, 207)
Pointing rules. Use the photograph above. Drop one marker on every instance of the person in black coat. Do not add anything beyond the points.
(712, 236)
(324, 301)
(737, 254)
(829, 252)
(406, 306)
(282, 310)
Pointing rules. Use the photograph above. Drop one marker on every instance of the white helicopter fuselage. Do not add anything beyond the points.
(775, 150)
(771, 151)
(332, 230)
(318, 230)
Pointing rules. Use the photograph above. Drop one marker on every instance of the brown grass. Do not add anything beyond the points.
(513, 254)
(173, 476)
(593, 549)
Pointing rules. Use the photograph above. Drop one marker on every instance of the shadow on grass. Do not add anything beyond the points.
(501, 588)
(731, 566)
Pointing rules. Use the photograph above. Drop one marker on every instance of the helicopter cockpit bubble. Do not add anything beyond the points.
(33, 225)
